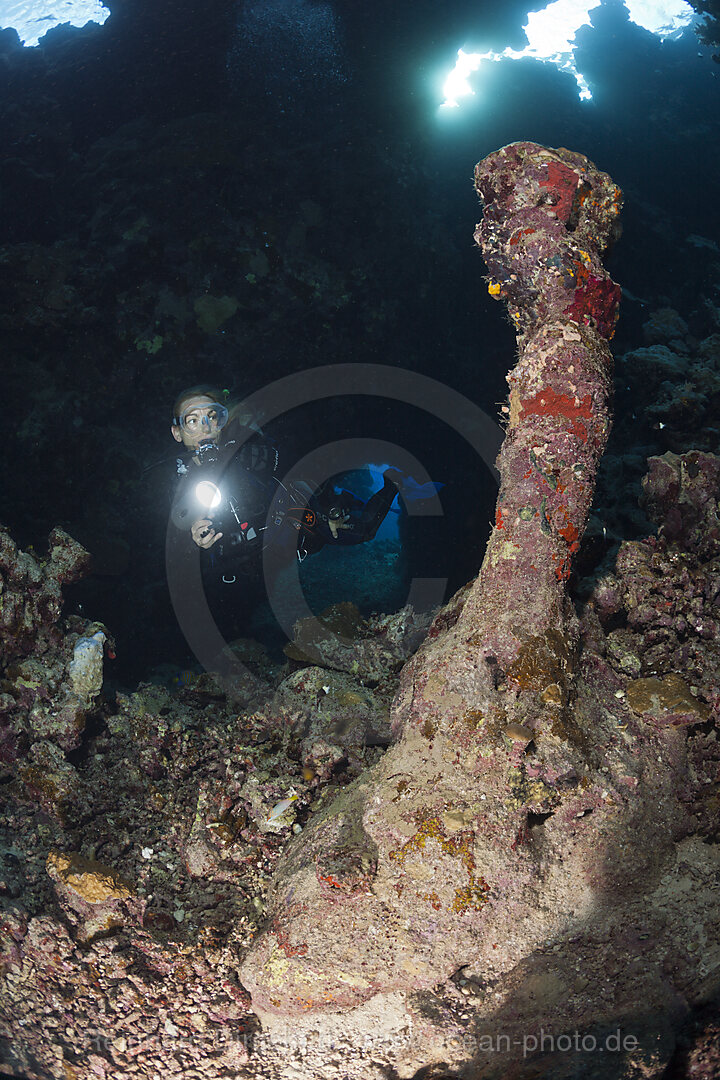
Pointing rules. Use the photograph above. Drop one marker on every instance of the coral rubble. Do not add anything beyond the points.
(135, 855)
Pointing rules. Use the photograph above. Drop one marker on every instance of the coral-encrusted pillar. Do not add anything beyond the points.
(548, 217)
(427, 862)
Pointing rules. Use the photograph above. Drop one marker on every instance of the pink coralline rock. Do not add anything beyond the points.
(658, 606)
(340, 639)
(681, 493)
(47, 685)
(525, 834)
(51, 783)
(31, 592)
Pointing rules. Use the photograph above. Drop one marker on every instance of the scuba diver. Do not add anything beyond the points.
(231, 503)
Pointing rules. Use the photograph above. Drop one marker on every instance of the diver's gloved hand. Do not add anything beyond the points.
(203, 533)
(337, 519)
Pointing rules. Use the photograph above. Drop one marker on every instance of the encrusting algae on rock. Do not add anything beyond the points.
(511, 727)
(510, 652)
(90, 880)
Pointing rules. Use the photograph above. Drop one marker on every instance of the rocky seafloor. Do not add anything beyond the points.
(139, 834)
(141, 830)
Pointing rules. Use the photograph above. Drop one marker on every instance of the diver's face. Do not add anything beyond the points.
(198, 422)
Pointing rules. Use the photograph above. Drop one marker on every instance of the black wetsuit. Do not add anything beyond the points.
(257, 507)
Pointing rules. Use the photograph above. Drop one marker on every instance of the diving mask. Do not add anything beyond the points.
(203, 419)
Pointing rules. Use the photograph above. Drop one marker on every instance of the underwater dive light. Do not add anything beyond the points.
(208, 494)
